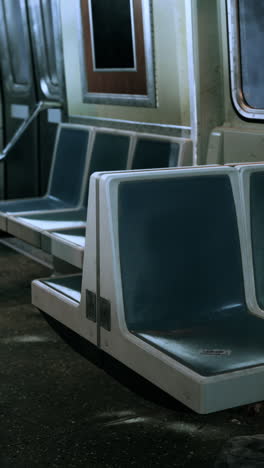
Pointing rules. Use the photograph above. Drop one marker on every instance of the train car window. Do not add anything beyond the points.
(246, 36)
(251, 23)
(116, 52)
(112, 35)
(15, 42)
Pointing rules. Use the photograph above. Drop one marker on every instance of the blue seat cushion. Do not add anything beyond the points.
(231, 343)
(38, 204)
(155, 153)
(179, 250)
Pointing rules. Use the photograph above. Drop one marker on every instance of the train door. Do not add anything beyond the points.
(19, 97)
(31, 65)
(45, 31)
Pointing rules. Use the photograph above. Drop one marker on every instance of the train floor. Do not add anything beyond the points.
(60, 408)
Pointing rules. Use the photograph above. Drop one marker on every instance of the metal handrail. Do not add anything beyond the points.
(40, 106)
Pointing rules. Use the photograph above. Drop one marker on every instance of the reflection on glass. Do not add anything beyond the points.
(251, 24)
(112, 34)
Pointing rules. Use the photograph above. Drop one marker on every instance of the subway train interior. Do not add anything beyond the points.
(132, 156)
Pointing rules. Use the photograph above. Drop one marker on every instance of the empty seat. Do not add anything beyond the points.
(66, 244)
(171, 274)
(251, 177)
(69, 285)
(256, 194)
(71, 299)
(30, 227)
(63, 294)
(67, 178)
(153, 151)
(109, 152)
(174, 248)
(150, 151)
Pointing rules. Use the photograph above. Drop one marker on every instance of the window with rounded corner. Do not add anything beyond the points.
(246, 38)
(116, 52)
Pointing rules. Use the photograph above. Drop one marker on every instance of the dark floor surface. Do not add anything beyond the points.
(58, 409)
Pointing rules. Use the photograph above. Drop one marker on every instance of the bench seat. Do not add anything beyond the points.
(109, 150)
(147, 152)
(69, 286)
(46, 203)
(172, 250)
(251, 178)
(29, 227)
(66, 244)
(67, 181)
(214, 347)
(60, 298)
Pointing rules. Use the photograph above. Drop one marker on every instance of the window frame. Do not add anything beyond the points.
(143, 100)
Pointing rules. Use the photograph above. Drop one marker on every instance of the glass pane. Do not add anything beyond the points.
(112, 34)
(251, 21)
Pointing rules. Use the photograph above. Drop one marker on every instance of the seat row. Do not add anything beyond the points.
(173, 283)
(79, 151)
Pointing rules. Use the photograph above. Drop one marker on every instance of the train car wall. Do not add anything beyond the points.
(235, 138)
(171, 113)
